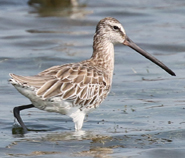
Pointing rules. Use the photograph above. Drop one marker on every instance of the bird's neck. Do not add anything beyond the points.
(103, 53)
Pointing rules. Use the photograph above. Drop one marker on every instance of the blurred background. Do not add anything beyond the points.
(142, 117)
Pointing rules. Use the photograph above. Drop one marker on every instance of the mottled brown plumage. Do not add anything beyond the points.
(80, 82)
(75, 89)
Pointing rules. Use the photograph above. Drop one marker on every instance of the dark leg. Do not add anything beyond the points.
(16, 112)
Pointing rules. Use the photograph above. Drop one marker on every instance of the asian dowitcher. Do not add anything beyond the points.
(75, 89)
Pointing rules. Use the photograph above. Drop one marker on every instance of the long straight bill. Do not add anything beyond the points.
(130, 43)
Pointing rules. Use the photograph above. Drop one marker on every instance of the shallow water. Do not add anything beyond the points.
(144, 114)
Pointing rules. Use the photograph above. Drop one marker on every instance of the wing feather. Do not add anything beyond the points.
(34, 81)
(53, 90)
(69, 93)
(83, 83)
(46, 86)
(66, 86)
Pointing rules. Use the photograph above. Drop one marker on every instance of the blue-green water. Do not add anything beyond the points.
(144, 114)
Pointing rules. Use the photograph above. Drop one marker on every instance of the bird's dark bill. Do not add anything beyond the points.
(130, 43)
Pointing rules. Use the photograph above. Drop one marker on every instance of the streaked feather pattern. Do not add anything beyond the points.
(83, 84)
(74, 89)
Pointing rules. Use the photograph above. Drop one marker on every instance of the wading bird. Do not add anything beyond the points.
(75, 89)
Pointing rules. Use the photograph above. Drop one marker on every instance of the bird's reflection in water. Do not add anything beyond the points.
(58, 8)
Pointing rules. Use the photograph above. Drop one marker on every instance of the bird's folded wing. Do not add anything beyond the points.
(78, 82)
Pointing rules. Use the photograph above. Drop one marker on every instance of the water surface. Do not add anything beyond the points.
(144, 114)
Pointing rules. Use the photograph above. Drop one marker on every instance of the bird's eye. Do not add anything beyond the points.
(115, 27)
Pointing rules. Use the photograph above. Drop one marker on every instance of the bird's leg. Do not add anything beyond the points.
(16, 112)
